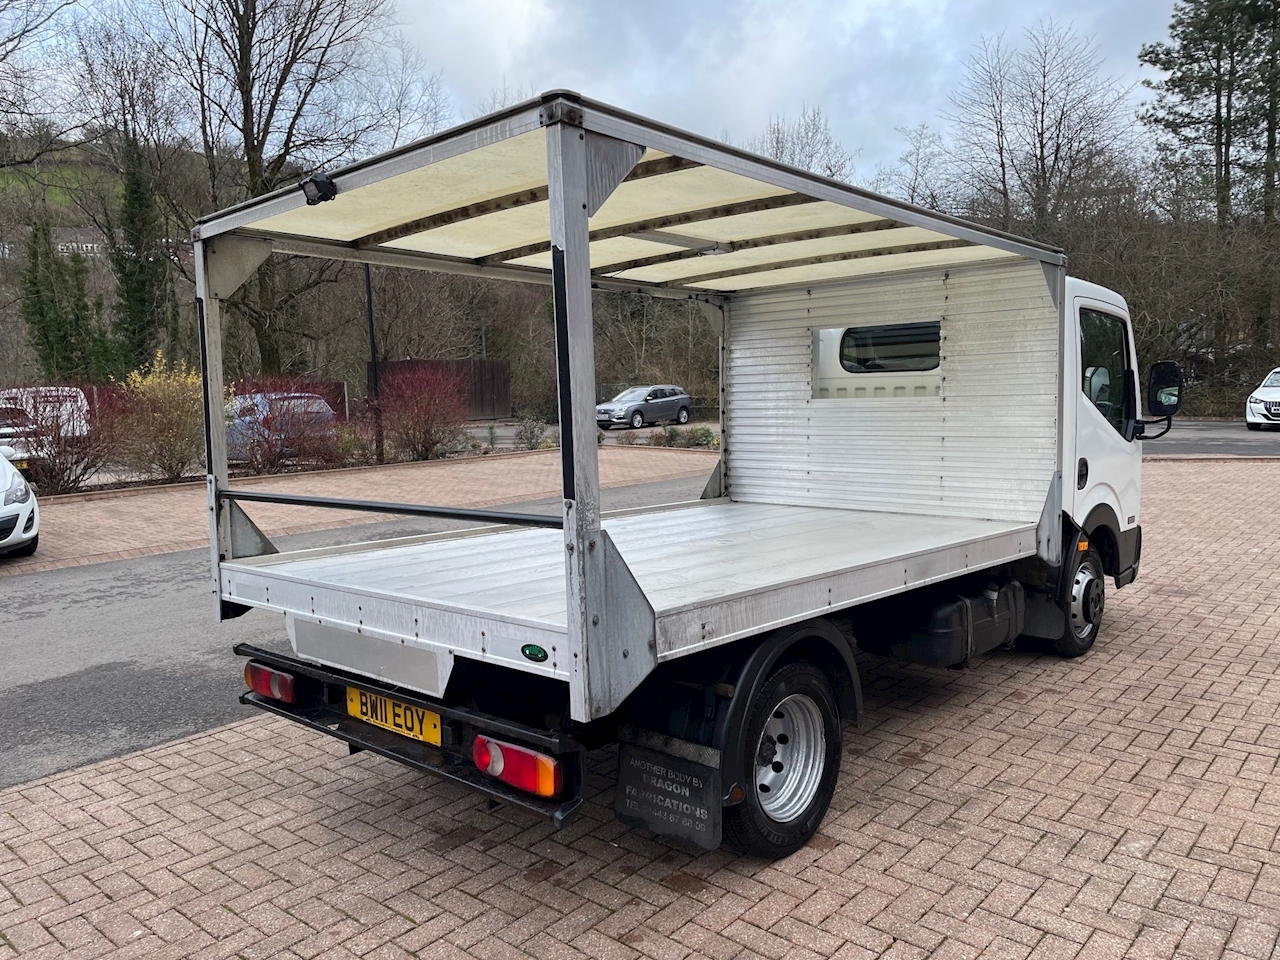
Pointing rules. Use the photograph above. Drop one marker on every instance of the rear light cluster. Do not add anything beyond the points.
(265, 681)
(518, 766)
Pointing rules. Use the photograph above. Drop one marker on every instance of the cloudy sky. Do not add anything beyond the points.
(720, 66)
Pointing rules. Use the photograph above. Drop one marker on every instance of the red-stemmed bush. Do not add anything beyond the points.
(423, 410)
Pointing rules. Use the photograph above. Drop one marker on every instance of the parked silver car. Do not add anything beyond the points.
(1263, 406)
(637, 406)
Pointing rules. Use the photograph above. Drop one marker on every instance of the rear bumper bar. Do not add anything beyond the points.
(319, 705)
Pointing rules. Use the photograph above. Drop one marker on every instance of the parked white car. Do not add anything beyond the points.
(67, 405)
(1263, 405)
(19, 514)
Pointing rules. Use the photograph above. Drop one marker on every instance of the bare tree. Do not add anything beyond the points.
(258, 92)
(923, 172)
(1029, 127)
(32, 121)
(23, 21)
(806, 142)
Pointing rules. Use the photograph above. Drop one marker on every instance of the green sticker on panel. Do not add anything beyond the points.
(533, 652)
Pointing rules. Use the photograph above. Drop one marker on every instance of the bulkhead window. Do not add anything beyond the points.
(889, 360)
(894, 347)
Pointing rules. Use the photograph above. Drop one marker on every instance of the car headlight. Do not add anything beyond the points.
(1257, 400)
(19, 491)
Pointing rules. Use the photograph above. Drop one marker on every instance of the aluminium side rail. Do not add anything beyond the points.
(382, 506)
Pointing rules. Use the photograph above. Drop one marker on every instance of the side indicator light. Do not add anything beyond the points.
(266, 682)
(521, 767)
(1082, 546)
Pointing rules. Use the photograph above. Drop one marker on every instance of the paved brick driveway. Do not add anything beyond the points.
(1127, 803)
(115, 525)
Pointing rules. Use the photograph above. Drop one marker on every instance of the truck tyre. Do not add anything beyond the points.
(793, 733)
(1086, 600)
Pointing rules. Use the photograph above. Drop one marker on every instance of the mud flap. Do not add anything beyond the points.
(673, 791)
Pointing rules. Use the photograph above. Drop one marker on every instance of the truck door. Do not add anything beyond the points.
(1108, 458)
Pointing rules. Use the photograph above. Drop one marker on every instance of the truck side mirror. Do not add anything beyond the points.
(1164, 388)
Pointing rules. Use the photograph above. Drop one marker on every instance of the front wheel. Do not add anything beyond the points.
(1087, 598)
(793, 735)
(27, 549)
(637, 420)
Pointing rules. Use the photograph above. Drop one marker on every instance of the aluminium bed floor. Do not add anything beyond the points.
(775, 562)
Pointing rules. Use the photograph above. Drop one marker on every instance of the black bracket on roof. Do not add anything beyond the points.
(560, 111)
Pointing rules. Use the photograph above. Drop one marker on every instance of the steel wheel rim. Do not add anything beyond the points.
(1087, 600)
(790, 758)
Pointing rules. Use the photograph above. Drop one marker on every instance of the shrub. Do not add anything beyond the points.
(423, 410)
(353, 443)
(701, 437)
(691, 437)
(64, 447)
(530, 433)
(161, 422)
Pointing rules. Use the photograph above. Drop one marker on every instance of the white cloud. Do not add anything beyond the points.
(714, 66)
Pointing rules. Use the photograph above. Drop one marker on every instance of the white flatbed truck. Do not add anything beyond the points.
(931, 448)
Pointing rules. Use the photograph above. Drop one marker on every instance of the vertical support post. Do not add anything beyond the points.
(575, 373)
(209, 320)
(375, 399)
(722, 394)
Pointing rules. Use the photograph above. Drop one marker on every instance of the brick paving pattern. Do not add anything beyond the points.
(1123, 804)
(77, 530)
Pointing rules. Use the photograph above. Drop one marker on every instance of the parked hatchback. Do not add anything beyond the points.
(1263, 406)
(637, 406)
(268, 427)
(19, 515)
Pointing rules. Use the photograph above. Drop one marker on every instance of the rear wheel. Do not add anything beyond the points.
(637, 420)
(793, 735)
(1086, 601)
(683, 415)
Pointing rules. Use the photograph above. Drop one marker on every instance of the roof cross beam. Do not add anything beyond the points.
(660, 223)
(822, 258)
(707, 248)
(651, 168)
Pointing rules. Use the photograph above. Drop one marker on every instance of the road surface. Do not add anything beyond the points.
(1198, 437)
(109, 658)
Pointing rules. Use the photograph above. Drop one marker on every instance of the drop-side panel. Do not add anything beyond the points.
(712, 572)
(890, 570)
(986, 446)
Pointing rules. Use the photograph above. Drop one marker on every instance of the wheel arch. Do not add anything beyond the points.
(816, 641)
(1102, 527)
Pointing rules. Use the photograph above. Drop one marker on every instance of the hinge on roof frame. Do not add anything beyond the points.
(560, 111)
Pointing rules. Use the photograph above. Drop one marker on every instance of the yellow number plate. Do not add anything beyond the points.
(19, 464)
(401, 718)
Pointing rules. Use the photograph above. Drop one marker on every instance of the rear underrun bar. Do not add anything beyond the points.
(407, 509)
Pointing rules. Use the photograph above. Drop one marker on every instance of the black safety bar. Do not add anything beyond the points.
(408, 509)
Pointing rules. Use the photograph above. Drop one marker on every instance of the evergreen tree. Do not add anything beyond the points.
(144, 292)
(57, 310)
(1201, 102)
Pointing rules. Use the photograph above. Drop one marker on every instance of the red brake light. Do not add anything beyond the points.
(267, 682)
(522, 768)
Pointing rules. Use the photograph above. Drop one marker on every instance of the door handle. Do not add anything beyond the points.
(1082, 473)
